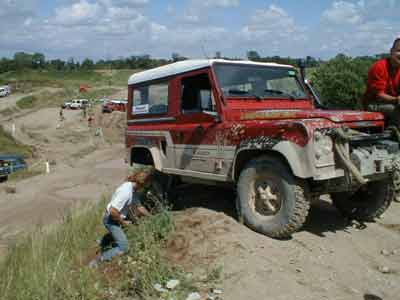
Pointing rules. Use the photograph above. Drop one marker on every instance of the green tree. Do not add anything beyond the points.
(7, 65)
(38, 61)
(22, 60)
(253, 55)
(87, 64)
(71, 64)
(57, 64)
(342, 81)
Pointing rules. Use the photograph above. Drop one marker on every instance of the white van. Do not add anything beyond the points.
(5, 90)
(79, 103)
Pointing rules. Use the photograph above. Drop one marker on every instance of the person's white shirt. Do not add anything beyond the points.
(123, 197)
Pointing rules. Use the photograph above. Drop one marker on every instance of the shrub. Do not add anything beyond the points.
(9, 145)
(342, 81)
(27, 102)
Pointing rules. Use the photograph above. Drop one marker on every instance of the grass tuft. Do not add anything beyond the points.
(9, 145)
(47, 263)
(51, 263)
(27, 102)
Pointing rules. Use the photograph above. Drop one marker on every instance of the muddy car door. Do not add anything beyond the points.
(150, 121)
(197, 125)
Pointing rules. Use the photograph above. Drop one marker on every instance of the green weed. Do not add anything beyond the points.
(27, 102)
(51, 263)
(9, 145)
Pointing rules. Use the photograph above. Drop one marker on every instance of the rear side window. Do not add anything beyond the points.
(150, 99)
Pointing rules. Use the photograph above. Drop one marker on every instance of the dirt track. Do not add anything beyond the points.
(327, 259)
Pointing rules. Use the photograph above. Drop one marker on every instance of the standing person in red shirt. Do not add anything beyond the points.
(383, 86)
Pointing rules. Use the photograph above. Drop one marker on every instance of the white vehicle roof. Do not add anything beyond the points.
(119, 101)
(190, 65)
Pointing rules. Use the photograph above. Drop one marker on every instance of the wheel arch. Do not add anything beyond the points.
(146, 156)
(246, 155)
(296, 157)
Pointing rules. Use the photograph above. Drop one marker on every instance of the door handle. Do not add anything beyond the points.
(181, 136)
(200, 128)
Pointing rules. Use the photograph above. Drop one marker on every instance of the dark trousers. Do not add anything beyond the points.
(390, 111)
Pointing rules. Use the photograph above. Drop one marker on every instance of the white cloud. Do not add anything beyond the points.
(198, 11)
(220, 3)
(191, 17)
(343, 12)
(124, 3)
(273, 26)
(78, 13)
(362, 28)
(92, 28)
(17, 8)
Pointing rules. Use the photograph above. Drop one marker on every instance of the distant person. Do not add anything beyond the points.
(383, 86)
(61, 114)
(90, 121)
(125, 198)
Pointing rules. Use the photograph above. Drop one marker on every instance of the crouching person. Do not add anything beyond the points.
(125, 198)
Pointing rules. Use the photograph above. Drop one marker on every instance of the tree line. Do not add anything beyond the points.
(38, 61)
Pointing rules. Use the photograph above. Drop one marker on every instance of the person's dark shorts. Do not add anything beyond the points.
(391, 112)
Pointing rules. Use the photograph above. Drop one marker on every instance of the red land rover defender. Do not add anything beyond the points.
(254, 126)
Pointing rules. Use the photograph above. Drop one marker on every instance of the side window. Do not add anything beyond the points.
(151, 99)
(196, 94)
(207, 100)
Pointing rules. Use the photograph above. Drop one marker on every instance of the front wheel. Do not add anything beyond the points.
(160, 193)
(270, 199)
(367, 203)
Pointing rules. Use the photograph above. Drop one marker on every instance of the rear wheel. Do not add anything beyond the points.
(270, 199)
(367, 203)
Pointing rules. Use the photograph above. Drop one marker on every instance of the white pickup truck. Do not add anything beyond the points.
(5, 90)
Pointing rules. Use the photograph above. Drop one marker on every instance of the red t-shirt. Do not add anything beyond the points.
(380, 80)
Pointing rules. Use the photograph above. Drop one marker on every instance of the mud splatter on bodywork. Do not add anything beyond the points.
(261, 142)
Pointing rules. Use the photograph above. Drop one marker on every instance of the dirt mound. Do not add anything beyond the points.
(201, 237)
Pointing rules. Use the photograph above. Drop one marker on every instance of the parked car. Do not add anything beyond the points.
(4, 170)
(79, 104)
(5, 90)
(114, 105)
(67, 104)
(10, 163)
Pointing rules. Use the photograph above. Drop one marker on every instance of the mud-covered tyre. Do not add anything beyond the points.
(271, 200)
(367, 203)
(160, 192)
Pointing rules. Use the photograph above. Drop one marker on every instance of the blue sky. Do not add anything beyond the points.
(120, 28)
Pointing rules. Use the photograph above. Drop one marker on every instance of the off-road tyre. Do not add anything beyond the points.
(160, 194)
(367, 203)
(294, 203)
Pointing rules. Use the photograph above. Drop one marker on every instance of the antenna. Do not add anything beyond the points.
(203, 48)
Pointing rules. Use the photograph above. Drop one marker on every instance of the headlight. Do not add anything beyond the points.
(323, 145)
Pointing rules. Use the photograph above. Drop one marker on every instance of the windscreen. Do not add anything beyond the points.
(260, 82)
